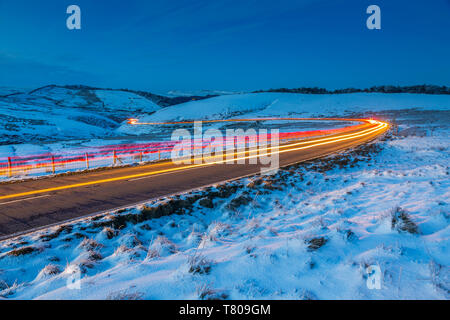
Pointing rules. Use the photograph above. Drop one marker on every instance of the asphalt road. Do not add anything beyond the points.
(27, 205)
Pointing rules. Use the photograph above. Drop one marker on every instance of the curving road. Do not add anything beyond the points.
(38, 203)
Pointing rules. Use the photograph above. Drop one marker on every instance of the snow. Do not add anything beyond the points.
(59, 114)
(252, 105)
(307, 232)
(278, 104)
(120, 100)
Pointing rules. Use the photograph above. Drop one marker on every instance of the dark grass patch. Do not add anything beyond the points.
(199, 265)
(206, 202)
(110, 232)
(316, 243)
(51, 269)
(175, 205)
(238, 201)
(61, 229)
(402, 222)
(22, 251)
(95, 256)
(207, 293)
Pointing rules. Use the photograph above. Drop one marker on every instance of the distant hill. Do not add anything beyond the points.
(163, 101)
(160, 100)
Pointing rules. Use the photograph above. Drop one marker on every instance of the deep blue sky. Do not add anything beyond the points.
(229, 45)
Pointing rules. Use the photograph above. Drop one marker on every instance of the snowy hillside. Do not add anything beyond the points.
(56, 114)
(285, 104)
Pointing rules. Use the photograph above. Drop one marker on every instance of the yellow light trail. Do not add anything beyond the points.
(380, 127)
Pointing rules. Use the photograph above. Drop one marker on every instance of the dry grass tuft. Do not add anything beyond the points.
(316, 243)
(402, 222)
(206, 292)
(198, 264)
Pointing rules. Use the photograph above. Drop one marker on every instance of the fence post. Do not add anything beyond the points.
(140, 156)
(9, 167)
(87, 161)
(53, 164)
(114, 157)
(159, 154)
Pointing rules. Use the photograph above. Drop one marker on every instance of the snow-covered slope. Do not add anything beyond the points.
(56, 114)
(126, 101)
(275, 104)
(284, 104)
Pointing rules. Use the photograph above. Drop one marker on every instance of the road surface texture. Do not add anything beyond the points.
(32, 204)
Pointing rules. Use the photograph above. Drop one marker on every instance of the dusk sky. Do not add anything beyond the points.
(226, 45)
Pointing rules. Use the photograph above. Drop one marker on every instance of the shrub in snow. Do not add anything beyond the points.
(10, 290)
(253, 225)
(84, 265)
(125, 295)
(218, 230)
(94, 256)
(56, 233)
(194, 238)
(109, 232)
(3, 285)
(130, 240)
(401, 221)
(206, 292)
(22, 251)
(316, 243)
(90, 244)
(121, 250)
(161, 247)
(146, 227)
(206, 202)
(307, 295)
(50, 269)
(440, 277)
(198, 264)
(254, 183)
(237, 202)
(151, 253)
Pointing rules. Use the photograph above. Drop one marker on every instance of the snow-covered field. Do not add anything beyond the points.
(309, 231)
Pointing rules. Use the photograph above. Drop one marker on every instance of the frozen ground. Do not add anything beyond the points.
(308, 232)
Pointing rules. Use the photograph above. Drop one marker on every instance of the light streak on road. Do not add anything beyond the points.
(50, 163)
(378, 128)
